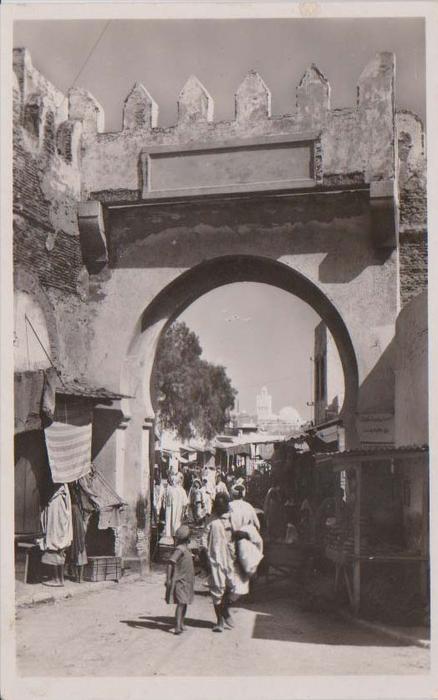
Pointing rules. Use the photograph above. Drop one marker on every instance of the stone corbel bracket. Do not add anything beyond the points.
(92, 236)
(384, 213)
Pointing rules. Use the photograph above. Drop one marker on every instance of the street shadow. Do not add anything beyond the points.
(314, 628)
(165, 623)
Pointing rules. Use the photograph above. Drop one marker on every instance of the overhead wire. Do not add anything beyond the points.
(89, 55)
(27, 319)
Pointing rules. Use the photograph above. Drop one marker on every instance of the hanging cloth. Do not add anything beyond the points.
(28, 391)
(69, 445)
(51, 381)
(103, 496)
(56, 521)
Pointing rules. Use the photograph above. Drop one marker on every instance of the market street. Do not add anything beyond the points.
(124, 630)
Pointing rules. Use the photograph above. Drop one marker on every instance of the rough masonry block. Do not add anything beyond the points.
(376, 82)
(85, 108)
(68, 138)
(376, 100)
(253, 99)
(140, 110)
(411, 171)
(22, 64)
(194, 102)
(33, 115)
(92, 236)
(410, 132)
(313, 95)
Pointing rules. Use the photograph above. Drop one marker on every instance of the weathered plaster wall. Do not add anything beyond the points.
(412, 187)
(411, 368)
(326, 239)
(47, 188)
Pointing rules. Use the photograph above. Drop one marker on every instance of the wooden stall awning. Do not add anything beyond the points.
(341, 461)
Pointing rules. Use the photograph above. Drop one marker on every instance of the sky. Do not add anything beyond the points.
(274, 347)
(263, 336)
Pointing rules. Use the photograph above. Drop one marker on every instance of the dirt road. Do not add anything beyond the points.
(124, 630)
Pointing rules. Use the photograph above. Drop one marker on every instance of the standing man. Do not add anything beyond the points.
(242, 513)
(221, 486)
(226, 579)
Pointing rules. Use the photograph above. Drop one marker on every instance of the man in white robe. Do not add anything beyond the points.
(176, 504)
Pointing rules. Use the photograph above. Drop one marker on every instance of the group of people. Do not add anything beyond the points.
(231, 523)
(179, 498)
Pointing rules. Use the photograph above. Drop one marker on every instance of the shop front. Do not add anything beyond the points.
(66, 512)
(378, 539)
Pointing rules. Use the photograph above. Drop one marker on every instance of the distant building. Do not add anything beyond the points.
(264, 405)
(283, 423)
(328, 377)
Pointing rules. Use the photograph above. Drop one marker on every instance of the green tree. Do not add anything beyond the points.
(194, 396)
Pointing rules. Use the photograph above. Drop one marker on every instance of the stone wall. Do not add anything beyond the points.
(411, 372)
(413, 204)
(47, 180)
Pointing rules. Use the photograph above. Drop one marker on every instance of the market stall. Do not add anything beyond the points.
(381, 514)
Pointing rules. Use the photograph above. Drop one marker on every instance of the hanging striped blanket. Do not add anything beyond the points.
(68, 450)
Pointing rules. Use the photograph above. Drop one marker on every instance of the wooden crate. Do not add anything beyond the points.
(103, 569)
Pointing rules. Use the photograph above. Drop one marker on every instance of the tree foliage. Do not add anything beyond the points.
(194, 396)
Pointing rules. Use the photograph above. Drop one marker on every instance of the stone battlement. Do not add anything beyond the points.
(358, 145)
(70, 158)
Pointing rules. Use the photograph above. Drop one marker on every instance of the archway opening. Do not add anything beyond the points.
(169, 304)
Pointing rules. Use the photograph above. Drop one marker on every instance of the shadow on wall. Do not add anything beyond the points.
(182, 234)
(378, 389)
(105, 422)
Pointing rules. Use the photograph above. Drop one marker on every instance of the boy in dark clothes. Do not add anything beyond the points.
(180, 577)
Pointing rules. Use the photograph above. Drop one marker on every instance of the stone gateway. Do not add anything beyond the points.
(115, 234)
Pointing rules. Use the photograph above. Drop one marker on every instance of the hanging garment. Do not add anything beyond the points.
(105, 499)
(78, 553)
(49, 393)
(69, 451)
(56, 521)
(28, 392)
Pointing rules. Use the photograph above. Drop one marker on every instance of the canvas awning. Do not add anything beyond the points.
(346, 459)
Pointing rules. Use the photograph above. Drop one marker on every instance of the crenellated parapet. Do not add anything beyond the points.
(312, 146)
(355, 145)
(42, 110)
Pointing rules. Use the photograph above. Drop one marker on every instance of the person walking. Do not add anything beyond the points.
(274, 512)
(196, 500)
(176, 504)
(221, 487)
(226, 581)
(242, 512)
(206, 497)
(180, 577)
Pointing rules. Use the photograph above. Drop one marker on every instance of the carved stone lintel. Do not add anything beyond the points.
(92, 236)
